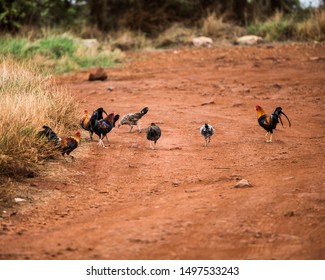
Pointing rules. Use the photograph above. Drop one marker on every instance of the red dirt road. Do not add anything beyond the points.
(179, 201)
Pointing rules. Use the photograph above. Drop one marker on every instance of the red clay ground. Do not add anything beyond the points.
(179, 201)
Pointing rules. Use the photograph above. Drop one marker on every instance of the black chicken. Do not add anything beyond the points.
(153, 134)
(49, 134)
(103, 127)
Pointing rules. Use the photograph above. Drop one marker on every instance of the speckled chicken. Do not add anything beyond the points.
(153, 134)
(207, 131)
(133, 119)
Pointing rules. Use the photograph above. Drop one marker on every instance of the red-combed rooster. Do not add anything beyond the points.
(85, 120)
(104, 126)
(269, 122)
(68, 144)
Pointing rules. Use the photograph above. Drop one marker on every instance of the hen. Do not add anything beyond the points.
(104, 126)
(133, 118)
(207, 131)
(153, 134)
(269, 122)
(68, 144)
(48, 133)
(85, 120)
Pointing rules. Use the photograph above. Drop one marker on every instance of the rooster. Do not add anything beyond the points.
(269, 122)
(104, 126)
(85, 123)
(68, 144)
(85, 120)
(133, 118)
(49, 134)
(153, 134)
(207, 131)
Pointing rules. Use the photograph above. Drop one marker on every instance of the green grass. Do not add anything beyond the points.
(58, 53)
(310, 27)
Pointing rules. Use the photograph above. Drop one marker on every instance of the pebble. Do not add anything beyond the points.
(243, 184)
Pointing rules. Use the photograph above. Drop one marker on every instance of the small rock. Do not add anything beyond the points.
(18, 199)
(202, 41)
(176, 183)
(277, 86)
(249, 40)
(99, 74)
(110, 88)
(289, 214)
(90, 43)
(243, 184)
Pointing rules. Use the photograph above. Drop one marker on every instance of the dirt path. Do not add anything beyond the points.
(178, 202)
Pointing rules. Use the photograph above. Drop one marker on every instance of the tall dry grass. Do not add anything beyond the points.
(313, 28)
(28, 100)
(216, 27)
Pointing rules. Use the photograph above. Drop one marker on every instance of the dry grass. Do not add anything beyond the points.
(30, 101)
(129, 40)
(312, 28)
(215, 27)
(175, 35)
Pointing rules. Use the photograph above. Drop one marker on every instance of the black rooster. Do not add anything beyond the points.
(269, 122)
(103, 127)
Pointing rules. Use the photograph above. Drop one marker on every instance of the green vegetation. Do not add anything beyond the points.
(282, 27)
(58, 53)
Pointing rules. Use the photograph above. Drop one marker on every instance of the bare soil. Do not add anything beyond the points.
(179, 201)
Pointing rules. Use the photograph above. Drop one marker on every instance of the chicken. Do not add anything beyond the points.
(49, 134)
(85, 120)
(98, 113)
(269, 122)
(85, 123)
(68, 144)
(103, 127)
(133, 118)
(207, 131)
(153, 134)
